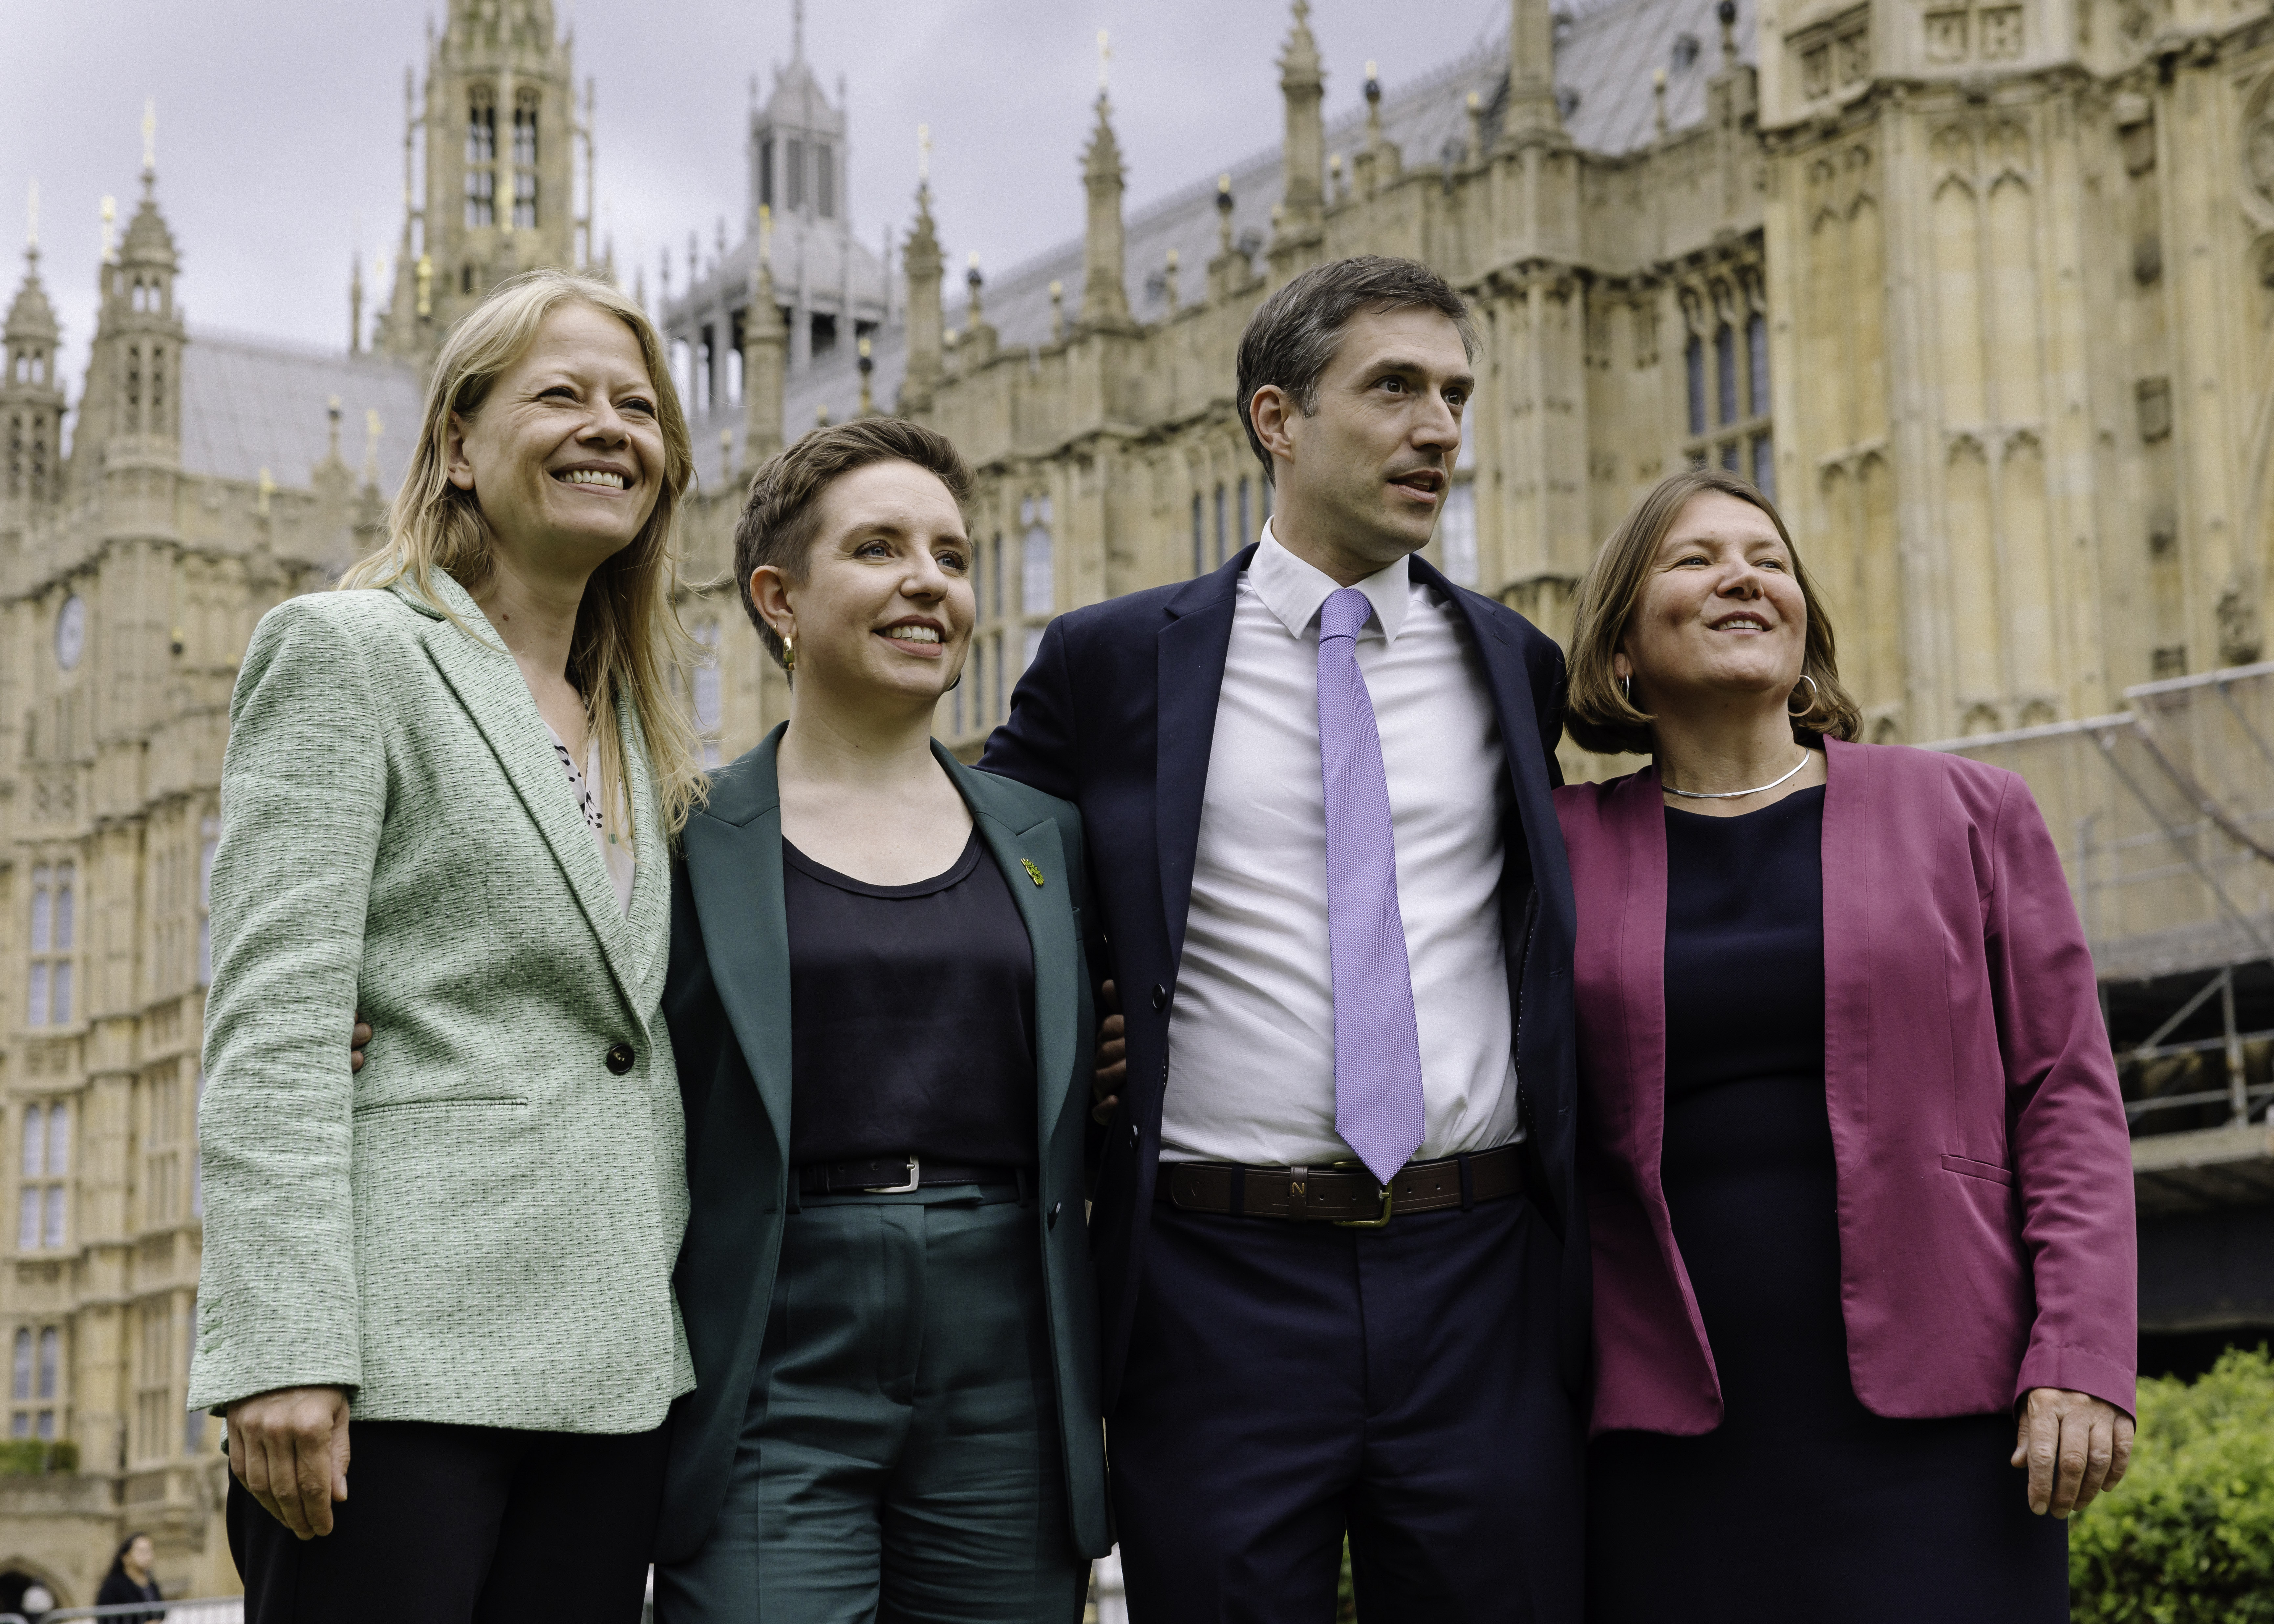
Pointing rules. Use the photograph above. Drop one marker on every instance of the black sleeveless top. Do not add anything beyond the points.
(912, 1016)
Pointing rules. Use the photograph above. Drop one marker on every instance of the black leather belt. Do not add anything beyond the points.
(1346, 1194)
(892, 1175)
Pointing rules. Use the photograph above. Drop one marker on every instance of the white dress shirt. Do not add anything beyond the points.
(1252, 1029)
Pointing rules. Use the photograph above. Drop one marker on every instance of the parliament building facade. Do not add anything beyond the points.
(1981, 290)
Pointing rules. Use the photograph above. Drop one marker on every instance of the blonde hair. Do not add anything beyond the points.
(1597, 714)
(628, 640)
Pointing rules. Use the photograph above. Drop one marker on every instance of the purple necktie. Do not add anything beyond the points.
(1378, 1105)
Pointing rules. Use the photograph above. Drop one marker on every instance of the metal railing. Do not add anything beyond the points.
(203, 1610)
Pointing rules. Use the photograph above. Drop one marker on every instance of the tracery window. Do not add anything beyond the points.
(46, 1166)
(825, 181)
(793, 172)
(1200, 536)
(1693, 361)
(1725, 370)
(1737, 436)
(525, 104)
(51, 945)
(481, 157)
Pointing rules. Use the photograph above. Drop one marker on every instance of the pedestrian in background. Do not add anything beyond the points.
(448, 801)
(130, 1580)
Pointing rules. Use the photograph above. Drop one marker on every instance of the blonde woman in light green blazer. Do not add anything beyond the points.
(448, 802)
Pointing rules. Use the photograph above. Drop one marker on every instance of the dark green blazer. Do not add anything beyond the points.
(726, 999)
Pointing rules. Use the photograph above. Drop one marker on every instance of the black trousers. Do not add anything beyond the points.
(1291, 1383)
(463, 1525)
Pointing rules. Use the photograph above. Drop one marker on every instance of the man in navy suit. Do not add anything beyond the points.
(1341, 1263)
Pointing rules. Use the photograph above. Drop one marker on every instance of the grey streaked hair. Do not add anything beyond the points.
(1294, 334)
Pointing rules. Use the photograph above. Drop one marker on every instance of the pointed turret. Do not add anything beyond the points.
(920, 259)
(31, 402)
(1303, 83)
(133, 405)
(1105, 295)
(764, 341)
(1532, 114)
(500, 122)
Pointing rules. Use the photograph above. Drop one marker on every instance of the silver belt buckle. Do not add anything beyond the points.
(915, 1178)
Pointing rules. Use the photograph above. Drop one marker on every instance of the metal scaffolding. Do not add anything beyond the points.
(2163, 815)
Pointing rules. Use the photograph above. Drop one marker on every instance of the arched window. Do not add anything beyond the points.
(20, 1385)
(1765, 467)
(1756, 346)
(35, 1143)
(1693, 360)
(58, 1140)
(825, 181)
(793, 172)
(51, 1349)
(1725, 370)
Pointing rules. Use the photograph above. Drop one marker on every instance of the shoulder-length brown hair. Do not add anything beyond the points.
(629, 639)
(1597, 713)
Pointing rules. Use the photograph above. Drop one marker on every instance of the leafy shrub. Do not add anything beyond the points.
(2188, 1537)
(29, 1458)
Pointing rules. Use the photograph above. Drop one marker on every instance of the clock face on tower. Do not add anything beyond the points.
(71, 631)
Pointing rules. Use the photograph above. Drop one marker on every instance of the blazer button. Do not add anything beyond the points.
(1051, 1222)
(620, 1058)
(1134, 1136)
(1160, 996)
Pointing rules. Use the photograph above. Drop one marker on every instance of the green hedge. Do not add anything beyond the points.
(28, 1458)
(2188, 1537)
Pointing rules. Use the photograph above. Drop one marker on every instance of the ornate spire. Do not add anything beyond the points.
(920, 262)
(1531, 111)
(1104, 297)
(764, 344)
(1303, 83)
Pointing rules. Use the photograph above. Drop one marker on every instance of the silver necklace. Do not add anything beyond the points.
(1735, 794)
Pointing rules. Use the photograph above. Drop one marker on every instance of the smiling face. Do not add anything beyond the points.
(1366, 474)
(884, 608)
(565, 454)
(1720, 614)
(141, 1553)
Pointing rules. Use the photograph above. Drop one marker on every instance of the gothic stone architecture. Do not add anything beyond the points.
(1982, 289)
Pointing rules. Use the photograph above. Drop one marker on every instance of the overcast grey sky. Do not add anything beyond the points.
(280, 122)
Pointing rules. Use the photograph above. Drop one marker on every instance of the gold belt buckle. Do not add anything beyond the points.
(1389, 1197)
(915, 1178)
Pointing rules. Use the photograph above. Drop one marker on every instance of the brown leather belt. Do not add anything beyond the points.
(1346, 1195)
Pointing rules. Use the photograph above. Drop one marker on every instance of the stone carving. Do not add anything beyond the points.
(2239, 639)
(1945, 36)
(2154, 395)
(2001, 32)
(2258, 152)
(1816, 71)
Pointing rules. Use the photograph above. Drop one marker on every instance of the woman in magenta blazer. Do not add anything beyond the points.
(1856, 1168)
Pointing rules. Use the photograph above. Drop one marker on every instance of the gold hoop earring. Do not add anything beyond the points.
(789, 655)
(1811, 705)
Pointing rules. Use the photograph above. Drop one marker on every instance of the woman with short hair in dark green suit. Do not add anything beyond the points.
(881, 1006)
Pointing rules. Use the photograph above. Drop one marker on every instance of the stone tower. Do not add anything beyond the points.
(30, 401)
(498, 128)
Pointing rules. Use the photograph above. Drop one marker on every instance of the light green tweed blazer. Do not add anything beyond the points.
(478, 1227)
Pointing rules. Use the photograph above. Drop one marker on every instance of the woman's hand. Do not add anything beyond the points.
(289, 1450)
(2075, 1446)
(1112, 1057)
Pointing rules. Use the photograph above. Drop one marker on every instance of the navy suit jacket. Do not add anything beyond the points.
(1117, 713)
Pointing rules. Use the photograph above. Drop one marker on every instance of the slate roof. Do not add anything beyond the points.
(1605, 56)
(249, 403)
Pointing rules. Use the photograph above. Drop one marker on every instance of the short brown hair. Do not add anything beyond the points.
(1597, 714)
(782, 516)
(1294, 334)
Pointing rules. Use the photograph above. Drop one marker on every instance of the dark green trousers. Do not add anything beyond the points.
(900, 1460)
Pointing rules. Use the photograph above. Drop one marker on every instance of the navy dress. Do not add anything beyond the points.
(1801, 1507)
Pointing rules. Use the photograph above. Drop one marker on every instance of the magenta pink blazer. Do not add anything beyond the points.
(1986, 1237)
